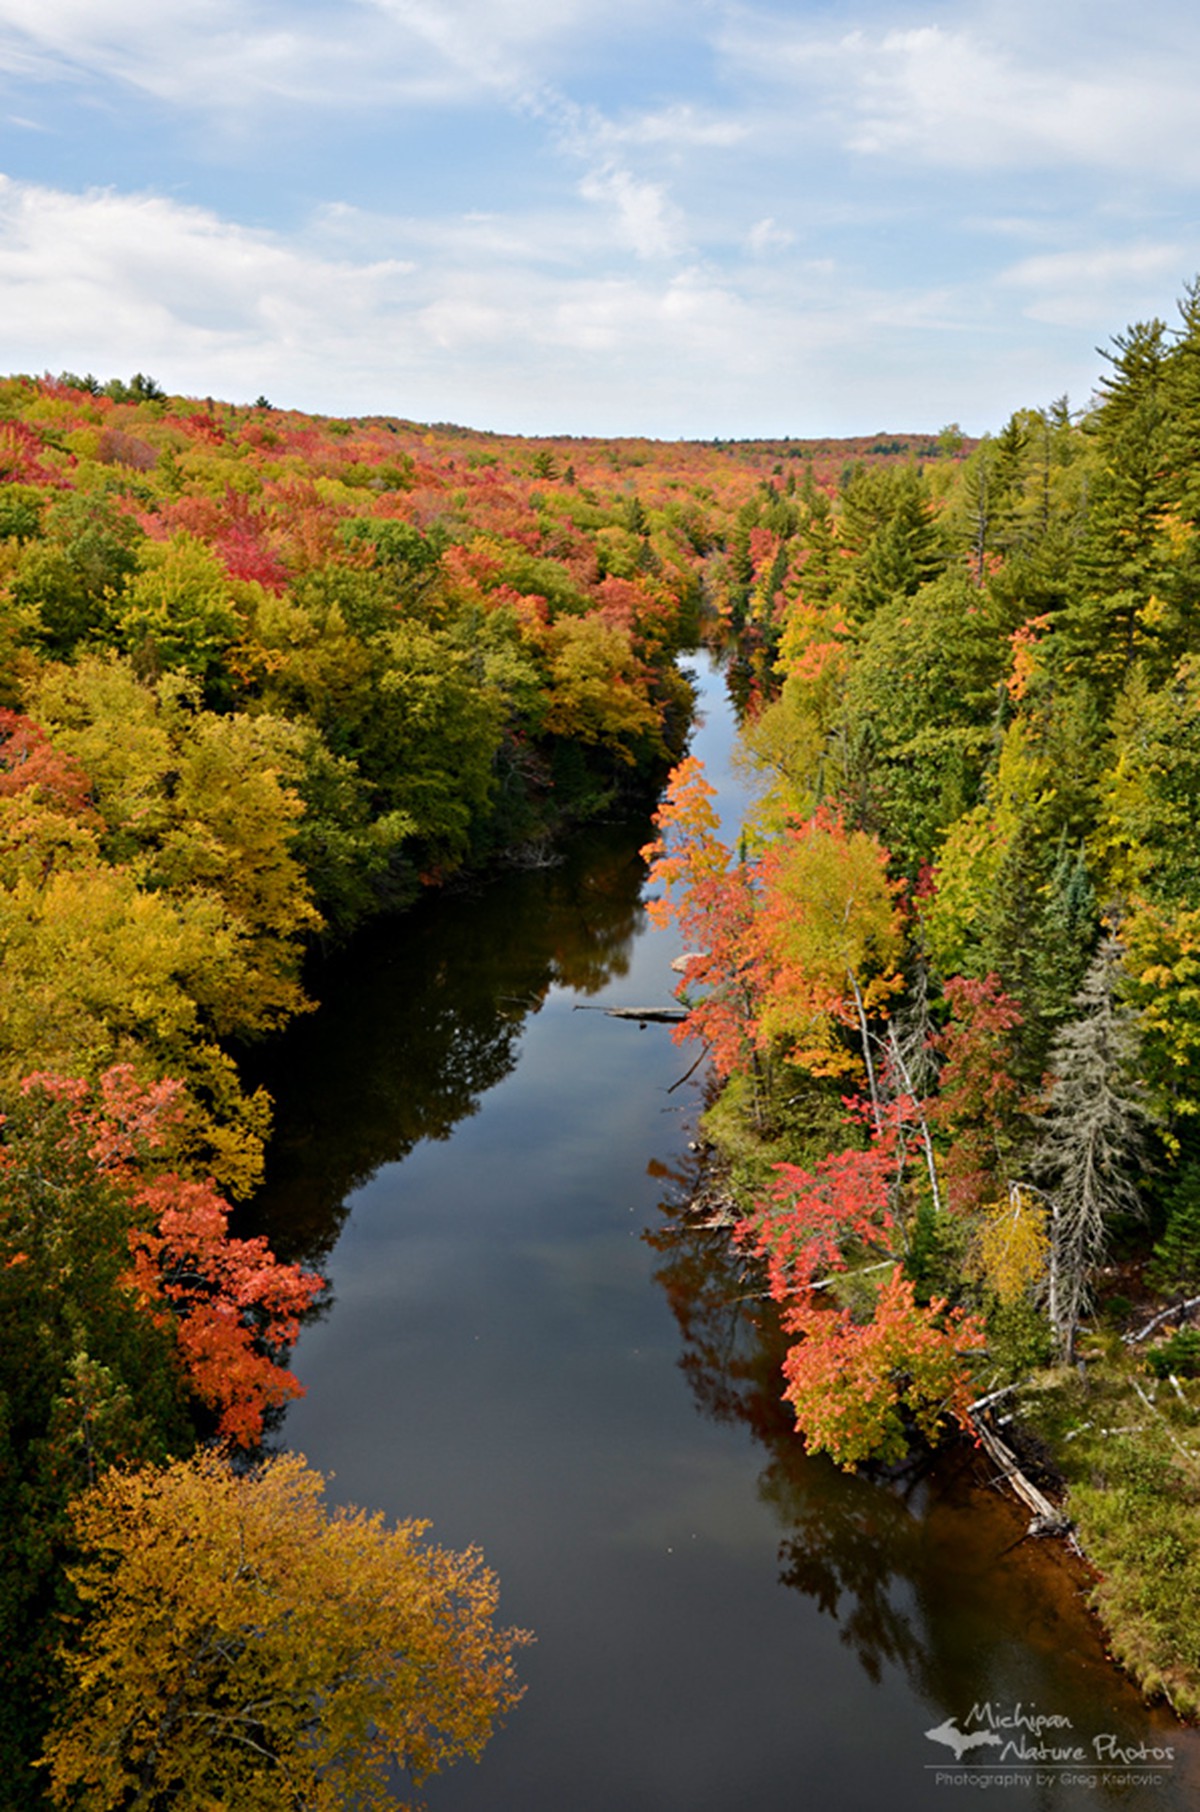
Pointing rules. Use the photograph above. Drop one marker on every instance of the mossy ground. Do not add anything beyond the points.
(1127, 1445)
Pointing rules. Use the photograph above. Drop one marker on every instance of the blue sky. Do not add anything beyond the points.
(640, 217)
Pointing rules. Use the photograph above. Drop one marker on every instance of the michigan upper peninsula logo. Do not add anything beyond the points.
(1020, 1746)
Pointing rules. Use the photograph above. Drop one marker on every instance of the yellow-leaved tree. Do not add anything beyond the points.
(243, 1647)
(829, 937)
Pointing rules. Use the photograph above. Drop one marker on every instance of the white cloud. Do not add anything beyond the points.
(815, 229)
(766, 236)
(1075, 288)
(950, 97)
(100, 279)
(641, 215)
(451, 322)
(979, 95)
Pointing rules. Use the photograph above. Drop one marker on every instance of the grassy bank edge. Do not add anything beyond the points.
(1126, 1447)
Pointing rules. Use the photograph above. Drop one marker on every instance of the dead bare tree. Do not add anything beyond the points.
(1092, 1135)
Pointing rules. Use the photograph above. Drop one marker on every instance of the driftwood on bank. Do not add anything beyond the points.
(656, 1015)
(1047, 1518)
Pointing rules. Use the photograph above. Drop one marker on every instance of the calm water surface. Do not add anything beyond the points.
(528, 1346)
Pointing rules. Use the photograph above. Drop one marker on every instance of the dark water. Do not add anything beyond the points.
(529, 1346)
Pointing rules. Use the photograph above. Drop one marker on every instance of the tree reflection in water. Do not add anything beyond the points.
(422, 1017)
(847, 1541)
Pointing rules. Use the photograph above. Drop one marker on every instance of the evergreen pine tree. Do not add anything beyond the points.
(1069, 928)
(1176, 1262)
(1124, 560)
(903, 553)
(822, 556)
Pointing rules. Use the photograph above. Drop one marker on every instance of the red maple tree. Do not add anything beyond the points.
(235, 1308)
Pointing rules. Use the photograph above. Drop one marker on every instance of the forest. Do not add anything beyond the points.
(949, 974)
(264, 677)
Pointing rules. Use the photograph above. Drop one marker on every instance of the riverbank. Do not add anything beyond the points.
(1124, 1444)
(1115, 1448)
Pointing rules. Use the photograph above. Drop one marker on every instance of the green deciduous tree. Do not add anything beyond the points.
(918, 717)
(70, 576)
(179, 613)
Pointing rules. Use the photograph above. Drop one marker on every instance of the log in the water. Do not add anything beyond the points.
(663, 1015)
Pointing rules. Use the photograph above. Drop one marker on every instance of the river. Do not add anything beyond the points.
(529, 1346)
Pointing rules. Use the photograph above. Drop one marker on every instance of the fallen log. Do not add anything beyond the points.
(981, 1403)
(656, 1015)
(1047, 1518)
(1178, 1311)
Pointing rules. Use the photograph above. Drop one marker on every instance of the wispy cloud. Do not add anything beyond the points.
(210, 54)
(1065, 288)
(213, 56)
(672, 130)
(967, 96)
(453, 320)
(766, 236)
(644, 213)
(641, 214)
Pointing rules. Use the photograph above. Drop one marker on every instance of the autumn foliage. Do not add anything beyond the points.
(715, 907)
(980, 1102)
(233, 1310)
(871, 1365)
(246, 1647)
(813, 1218)
(29, 763)
(828, 934)
(263, 675)
(794, 959)
(787, 949)
(860, 1387)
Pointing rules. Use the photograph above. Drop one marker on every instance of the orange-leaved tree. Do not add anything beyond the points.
(871, 1364)
(859, 1387)
(714, 907)
(233, 1308)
